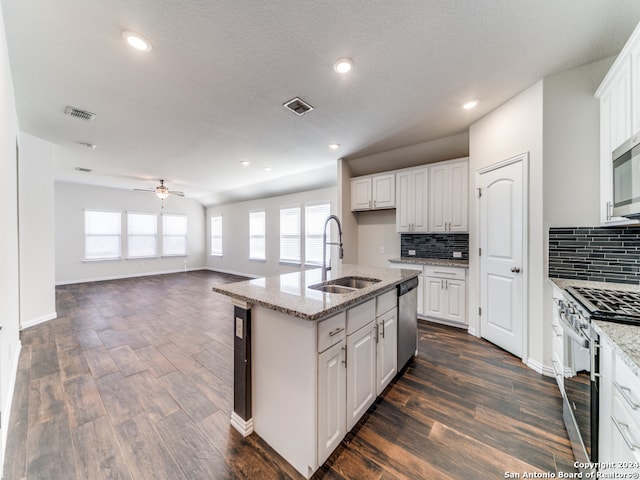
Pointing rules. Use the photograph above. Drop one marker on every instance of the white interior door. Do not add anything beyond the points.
(502, 236)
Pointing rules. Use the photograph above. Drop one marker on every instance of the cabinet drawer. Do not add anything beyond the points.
(360, 315)
(626, 431)
(627, 387)
(445, 272)
(331, 331)
(386, 302)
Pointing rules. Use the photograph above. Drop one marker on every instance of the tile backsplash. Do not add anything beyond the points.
(599, 254)
(435, 245)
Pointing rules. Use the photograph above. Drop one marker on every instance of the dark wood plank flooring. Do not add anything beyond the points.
(133, 380)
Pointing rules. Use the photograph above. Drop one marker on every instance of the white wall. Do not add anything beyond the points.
(378, 241)
(37, 253)
(235, 232)
(511, 129)
(9, 251)
(571, 159)
(70, 202)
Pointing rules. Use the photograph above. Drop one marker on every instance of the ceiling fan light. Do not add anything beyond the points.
(162, 192)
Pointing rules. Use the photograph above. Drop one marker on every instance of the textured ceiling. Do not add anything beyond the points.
(210, 93)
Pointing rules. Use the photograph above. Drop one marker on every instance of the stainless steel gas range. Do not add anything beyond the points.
(576, 312)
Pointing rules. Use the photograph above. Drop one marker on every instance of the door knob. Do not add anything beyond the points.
(515, 269)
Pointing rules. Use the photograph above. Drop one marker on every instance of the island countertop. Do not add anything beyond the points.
(289, 293)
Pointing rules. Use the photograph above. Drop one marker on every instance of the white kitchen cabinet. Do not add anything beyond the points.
(448, 196)
(361, 372)
(619, 95)
(386, 339)
(619, 411)
(411, 206)
(558, 359)
(332, 401)
(373, 192)
(445, 294)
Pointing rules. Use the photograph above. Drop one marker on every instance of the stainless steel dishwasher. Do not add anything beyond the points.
(407, 321)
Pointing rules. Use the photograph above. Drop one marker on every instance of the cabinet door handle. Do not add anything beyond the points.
(336, 331)
(623, 428)
(374, 204)
(609, 211)
(626, 394)
(382, 323)
(555, 330)
(344, 362)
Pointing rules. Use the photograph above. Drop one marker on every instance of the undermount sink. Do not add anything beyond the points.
(344, 284)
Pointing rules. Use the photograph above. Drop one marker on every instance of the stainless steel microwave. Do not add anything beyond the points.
(626, 178)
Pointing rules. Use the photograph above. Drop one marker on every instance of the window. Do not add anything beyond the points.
(315, 217)
(174, 235)
(102, 235)
(290, 235)
(142, 235)
(216, 235)
(257, 243)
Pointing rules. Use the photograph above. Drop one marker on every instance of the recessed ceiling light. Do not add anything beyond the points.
(137, 41)
(470, 104)
(343, 65)
(245, 163)
(267, 169)
(334, 146)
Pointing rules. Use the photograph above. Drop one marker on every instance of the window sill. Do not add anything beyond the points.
(174, 256)
(215, 255)
(92, 260)
(143, 258)
(289, 262)
(258, 260)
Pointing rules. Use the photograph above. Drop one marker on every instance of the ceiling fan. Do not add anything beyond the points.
(161, 191)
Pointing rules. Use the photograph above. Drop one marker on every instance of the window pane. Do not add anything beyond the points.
(290, 234)
(315, 218)
(102, 235)
(142, 234)
(257, 241)
(174, 234)
(216, 235)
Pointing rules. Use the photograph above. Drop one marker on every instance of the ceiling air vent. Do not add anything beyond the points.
(82, 114)
(298, 106)
(84, 170)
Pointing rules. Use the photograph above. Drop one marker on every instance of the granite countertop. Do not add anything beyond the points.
(440, 262)
(624, 338)
(289, 293)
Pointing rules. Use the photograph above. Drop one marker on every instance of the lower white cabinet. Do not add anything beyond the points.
(361, 372)
(387, 345)
(332, 400)
(619, 412)
(445, 294)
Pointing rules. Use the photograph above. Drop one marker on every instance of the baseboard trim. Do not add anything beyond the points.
(9, 402)
(132, 275)
(245, 427)
(540, 368)
(36, 321)
(232, 272)
(443, 322)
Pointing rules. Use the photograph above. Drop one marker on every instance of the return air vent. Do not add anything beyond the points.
(298, 106)
(84, 170)
(81, 114)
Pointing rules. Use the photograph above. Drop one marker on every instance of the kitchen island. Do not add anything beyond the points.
(308, 363)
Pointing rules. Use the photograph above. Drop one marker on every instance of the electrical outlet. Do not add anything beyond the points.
(457, 254)
(412, 252)
(381, 250)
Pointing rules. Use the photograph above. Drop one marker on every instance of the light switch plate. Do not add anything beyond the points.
(412, 252)
(457, 254)
(238, 327)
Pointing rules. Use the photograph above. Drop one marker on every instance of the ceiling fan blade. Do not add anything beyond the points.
(173, 192)
(144, 190)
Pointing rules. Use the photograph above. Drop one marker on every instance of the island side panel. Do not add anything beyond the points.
(242, 367)
(284, 379)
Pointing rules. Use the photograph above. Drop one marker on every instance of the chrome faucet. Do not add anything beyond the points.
(326, 268)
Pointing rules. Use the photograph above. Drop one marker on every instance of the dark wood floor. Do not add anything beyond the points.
(134, 381)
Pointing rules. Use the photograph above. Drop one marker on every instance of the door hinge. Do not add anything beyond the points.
(479, 252)
(480, 311)
(479, 192)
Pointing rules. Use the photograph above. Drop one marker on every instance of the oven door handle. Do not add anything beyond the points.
(592, 354)
(576, 337)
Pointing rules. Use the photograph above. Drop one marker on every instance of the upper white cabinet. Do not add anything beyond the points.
(448, 197)
(619, 95)
(373, 192)
(411, 210)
